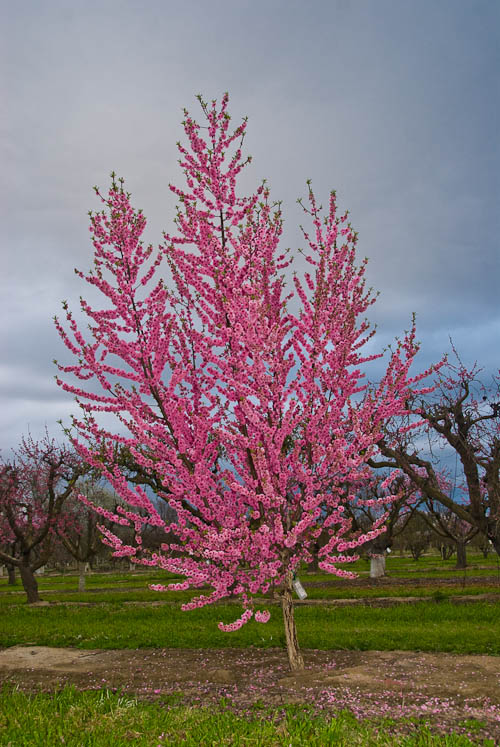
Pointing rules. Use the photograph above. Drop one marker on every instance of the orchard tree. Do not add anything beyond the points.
(462, 414)
(449, 528)
(482, 544)
(393, 496)
(33, 489)
(249, 417)
(416, 536)
(78, 528)
(10, 547)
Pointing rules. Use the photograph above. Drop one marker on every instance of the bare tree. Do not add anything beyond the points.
(78, 529)
(378, 499)
(463, 415)
(448, 526)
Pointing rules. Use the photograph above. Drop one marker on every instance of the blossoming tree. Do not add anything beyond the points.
(247, 417)
(33, 489)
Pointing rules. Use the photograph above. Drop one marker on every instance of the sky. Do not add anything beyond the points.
(392, 103)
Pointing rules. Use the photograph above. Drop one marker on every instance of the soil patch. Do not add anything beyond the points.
(449, 691)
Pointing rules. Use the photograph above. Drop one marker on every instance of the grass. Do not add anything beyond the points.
(87, 719)
(435, 624)
(144, 595)
(100, 597)
(102, 718)
(428, 567)
(421, 577)
(69, 582)
(425, 626)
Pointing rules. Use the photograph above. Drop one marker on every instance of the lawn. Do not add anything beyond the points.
(434, 624)
(117, 614)
(424, 626)
(103, 718)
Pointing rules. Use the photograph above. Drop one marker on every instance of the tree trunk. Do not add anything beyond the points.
(496, 543)
(30, 583)
(295, 659)
(377, 566)
(446, 551)
(314, 564)
(11, 571)
(461, 555)
(81, 575)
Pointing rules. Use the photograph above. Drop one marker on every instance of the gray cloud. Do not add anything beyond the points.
(394, 104)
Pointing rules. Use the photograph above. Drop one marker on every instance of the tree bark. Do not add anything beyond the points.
(446, 551)
(11, 571)
(81, 575)
(461, 555)
(295, 659)
(30, 583)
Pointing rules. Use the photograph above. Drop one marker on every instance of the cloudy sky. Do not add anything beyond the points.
(393, 103)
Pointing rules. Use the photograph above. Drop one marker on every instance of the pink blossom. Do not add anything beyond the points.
(253, 423)
(262, 616)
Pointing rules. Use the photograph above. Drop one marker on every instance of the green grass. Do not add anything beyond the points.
(431, 573)
(113, 589)
(103, 718)
(100, 597)
(424, 626)
(97, 580)
(420, 576)
(385, 590)
(89, 719)
(428, 567)
(144, 595)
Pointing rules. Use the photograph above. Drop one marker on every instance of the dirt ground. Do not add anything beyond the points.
(449, 691)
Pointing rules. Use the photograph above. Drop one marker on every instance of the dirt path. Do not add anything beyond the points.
(450, 691)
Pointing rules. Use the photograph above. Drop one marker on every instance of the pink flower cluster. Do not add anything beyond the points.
(262, 616)
(237, 624)
(253, 423)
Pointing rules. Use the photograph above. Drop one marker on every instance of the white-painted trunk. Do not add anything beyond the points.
(377, 566)
(82, 568)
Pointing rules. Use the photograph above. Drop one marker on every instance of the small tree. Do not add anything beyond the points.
(392, 496)
(33, 489)
(446, 525)
(248, 418)
(483, 544)
(416, 536)
(10, 548)
(446, 548)
(78, 528)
